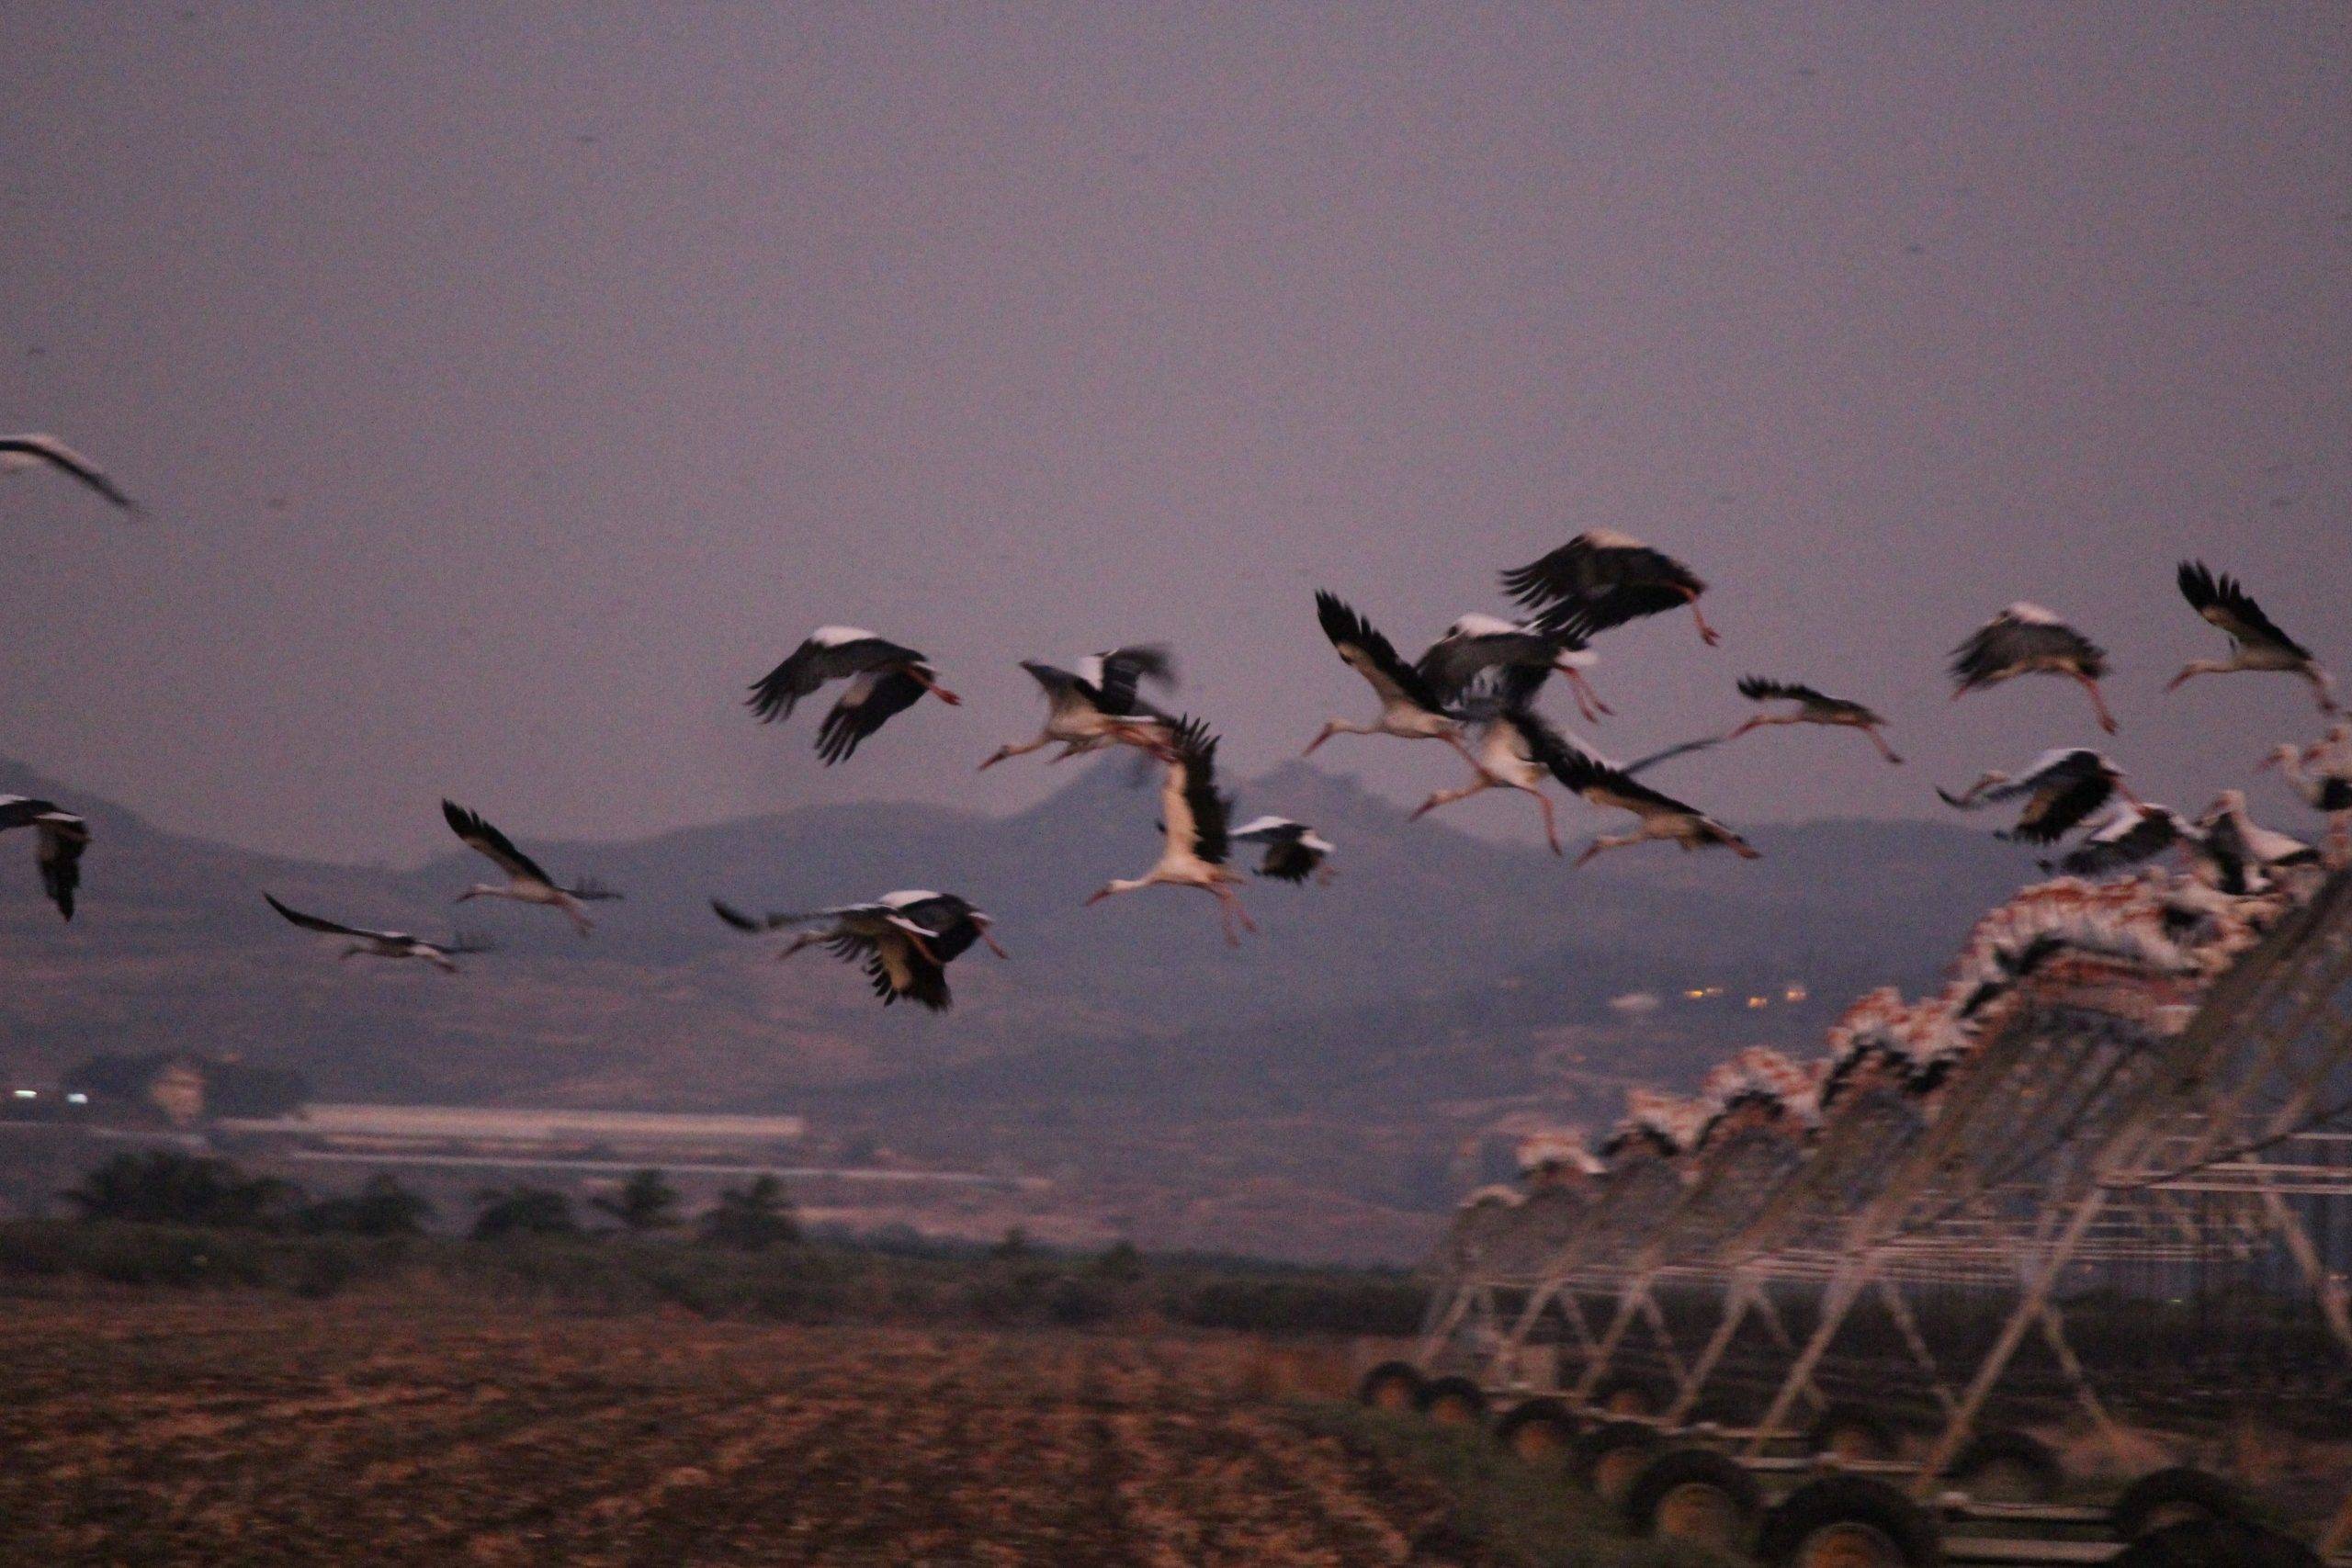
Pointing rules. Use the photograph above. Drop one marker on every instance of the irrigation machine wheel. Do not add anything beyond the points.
(2007, 1466)
(1541, 1431)
(2215, 1543)
(1452, 1401)
(1697, 1495)
(1391, 1386)
(1630, 1394)
(1849, 1522)
(1610, 1458)
(2182, 1495)
(1851, 1431)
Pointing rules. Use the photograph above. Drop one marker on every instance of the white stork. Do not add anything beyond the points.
(388, 944)
(2255, 642)
(1662, 816)
(526, 881)
(1410, 709)
(2241, 852)
(1478, 643)
(1096, 705)
(2061, 789)
(1518, 748)
(37, 451)
(1294, 851)
(2322, 775)
(1600, 579)
(1194, 841)
(1798, 704)
(884, 680)
(2026, 639)
(904, 939)
(2133, 833)
(59, 837)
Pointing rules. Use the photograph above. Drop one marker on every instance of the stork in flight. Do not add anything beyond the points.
(1096, 705)
(1662, 816)
(1294, 851)
(2255, 642)
(1518, 748)
(1600, 579)
(2026, 639)
(388, 944)
(1797, 704)
(59, 837)
(2061, 789)
(904, 939)
(1410, 709)
(37, 451)
(526, 883)
(1478, 643)
(884, 680)
(1195, 840)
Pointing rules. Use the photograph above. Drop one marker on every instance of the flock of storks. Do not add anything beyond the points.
(1475, 688)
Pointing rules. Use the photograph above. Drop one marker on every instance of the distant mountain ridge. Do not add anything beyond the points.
(1438, 970)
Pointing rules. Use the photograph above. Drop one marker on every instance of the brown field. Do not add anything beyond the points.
(253, 1430)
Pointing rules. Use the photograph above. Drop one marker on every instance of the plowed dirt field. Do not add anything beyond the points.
(255, 1431)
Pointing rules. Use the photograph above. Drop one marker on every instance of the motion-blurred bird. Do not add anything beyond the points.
(884, 680)
(1410, 709)
(905, 941)
(1477, 644)
(1194, 841)
(2026, 639)
(59, 837)
(1662, 816)
(2255, 642)
(1294, 851)
(526, 881)
(2061, 789)
(1600, 579)
(1802, 705)
(1096, 705)
(37, 451)
(388, 945)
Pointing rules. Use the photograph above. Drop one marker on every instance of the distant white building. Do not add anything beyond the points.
(518, 1131)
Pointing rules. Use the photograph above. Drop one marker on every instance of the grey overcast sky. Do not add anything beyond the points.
(511, 384)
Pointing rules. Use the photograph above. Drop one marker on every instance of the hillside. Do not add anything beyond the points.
(1336, 1065)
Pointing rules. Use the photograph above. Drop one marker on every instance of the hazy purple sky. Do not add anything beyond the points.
(510, 385)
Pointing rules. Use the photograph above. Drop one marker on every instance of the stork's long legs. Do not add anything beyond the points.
(1608, 841)
(1006, 752)
(2098, 704)
(1588, 700)
(1550, 823)
(1707, 634)
(931, 684)
(1880, 741)
(1228, 910)
(1448, 796)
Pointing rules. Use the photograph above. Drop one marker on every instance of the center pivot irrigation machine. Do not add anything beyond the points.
(2090, 1207)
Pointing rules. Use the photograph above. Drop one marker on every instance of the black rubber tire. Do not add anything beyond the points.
(2152, 1502)
(1652, 1396)
(1849, 1499)
(1678, 1468)
(1391, 1375)
(1607, 1457)
(2029, 1457)
(1555, 1419)
(2215, 1543)
(1858, 1418)
(1439, 1397)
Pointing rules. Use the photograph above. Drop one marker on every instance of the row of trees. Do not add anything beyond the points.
(166, 1186)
